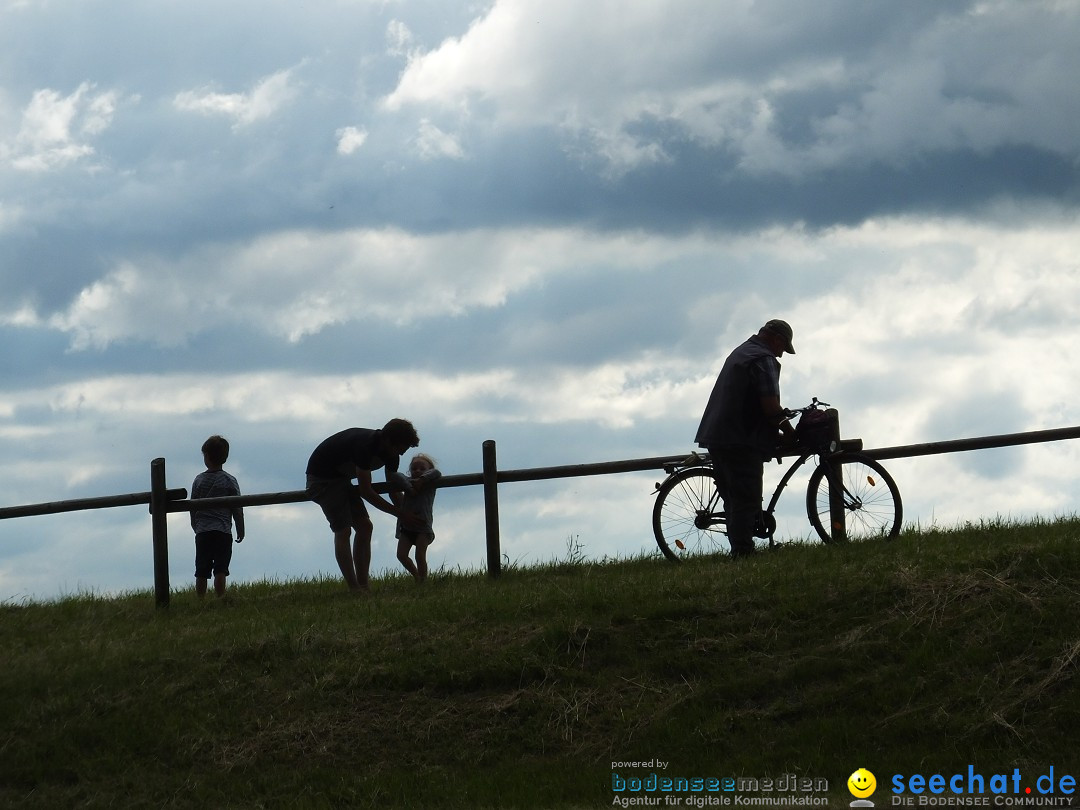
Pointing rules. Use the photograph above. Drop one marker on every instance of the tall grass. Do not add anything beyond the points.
(927, 654)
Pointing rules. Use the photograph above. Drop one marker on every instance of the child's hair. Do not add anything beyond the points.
(423, 457)
(216, 449)
(401, 431)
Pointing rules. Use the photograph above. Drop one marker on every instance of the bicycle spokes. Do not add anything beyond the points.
(868, 505)
(687, 516)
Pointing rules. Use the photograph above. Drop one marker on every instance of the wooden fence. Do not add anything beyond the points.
(163, 500)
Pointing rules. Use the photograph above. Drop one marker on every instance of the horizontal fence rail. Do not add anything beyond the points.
(465, 480)
(981, 443)
(163, 500)
(82, 504)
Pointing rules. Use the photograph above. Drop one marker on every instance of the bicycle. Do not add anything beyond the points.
(688, 516)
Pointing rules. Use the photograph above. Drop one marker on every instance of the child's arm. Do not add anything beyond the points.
(237, 512)
(238, 519)
(191, 512)
(428, 478)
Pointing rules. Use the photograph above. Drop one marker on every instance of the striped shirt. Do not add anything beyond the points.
(214, 484)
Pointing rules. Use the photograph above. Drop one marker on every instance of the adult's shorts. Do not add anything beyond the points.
(340, 501)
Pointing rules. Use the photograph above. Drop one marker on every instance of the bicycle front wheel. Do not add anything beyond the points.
(870, 498)
(687, 516)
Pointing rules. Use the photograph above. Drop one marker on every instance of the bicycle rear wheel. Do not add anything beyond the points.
(872, 506)
(687, 516)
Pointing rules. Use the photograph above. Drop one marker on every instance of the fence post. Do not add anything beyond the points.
(159, 499)
(491, 509)
(837, 515)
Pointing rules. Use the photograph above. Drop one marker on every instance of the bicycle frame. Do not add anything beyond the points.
(782, 485)
(714, 516)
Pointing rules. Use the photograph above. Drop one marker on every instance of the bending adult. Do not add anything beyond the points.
(354, 453)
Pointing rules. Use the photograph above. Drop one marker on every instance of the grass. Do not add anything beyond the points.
(940, 650)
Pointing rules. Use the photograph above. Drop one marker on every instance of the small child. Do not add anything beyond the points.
(419, 503)
(213, 527)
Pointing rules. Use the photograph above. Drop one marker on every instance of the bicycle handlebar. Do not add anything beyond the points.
(791, 413)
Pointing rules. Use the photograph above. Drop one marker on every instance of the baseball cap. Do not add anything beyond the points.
(783, 329)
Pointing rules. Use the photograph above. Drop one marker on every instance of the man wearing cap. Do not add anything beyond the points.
(743, 424)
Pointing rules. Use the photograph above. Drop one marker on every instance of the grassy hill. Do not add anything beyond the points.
(937, 652)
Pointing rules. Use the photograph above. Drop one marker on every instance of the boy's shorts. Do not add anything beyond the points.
(340, 501)
(213, 553)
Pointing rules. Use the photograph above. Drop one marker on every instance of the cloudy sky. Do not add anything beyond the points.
(543, 222)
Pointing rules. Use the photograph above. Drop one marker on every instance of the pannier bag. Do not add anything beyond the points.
(817, 428)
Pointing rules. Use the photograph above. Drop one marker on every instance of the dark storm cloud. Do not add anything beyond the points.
(698, 189)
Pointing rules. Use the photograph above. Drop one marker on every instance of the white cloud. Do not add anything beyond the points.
(130, 302)
(944, 278)
(99, 114)
(350, 139)
(613, 395)
(386, 275)
(431, 142)
(265, 99)
(399, 39)
(55, 130)
(23, 315)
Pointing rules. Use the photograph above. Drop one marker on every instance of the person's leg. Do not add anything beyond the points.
(362, 552)
(204, 563)
(343, 554)
(719, 472)
(334, 496)
(422, 544)
(403, 548)
(739, 473)
(223, 548)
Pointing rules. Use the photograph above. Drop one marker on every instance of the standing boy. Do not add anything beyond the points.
(213, 527)
(354, 453)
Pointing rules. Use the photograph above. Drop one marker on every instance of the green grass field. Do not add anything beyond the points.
(936, 652)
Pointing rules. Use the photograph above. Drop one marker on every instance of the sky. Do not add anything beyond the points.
(540, 222)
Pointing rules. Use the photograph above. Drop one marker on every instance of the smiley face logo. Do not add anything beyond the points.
(861, 783)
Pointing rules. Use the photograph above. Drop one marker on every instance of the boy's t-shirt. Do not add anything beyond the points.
(213, 484)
